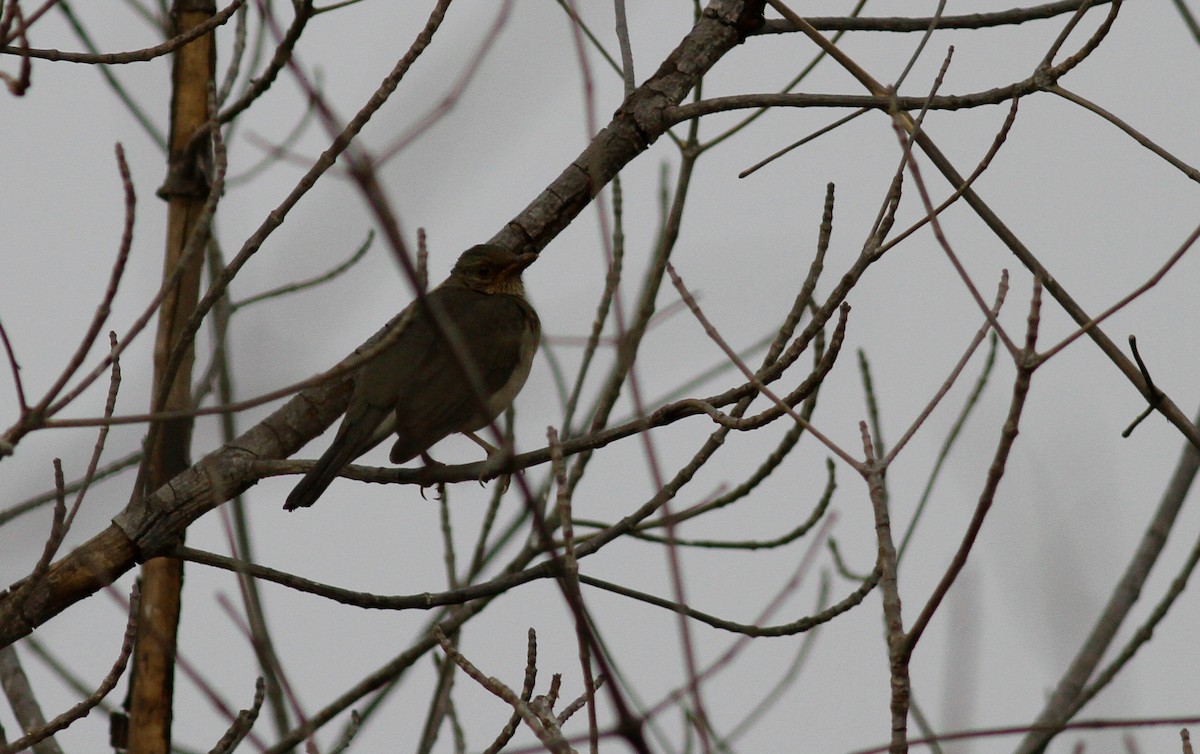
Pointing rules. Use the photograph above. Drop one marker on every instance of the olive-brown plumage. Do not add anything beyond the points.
(416, 389)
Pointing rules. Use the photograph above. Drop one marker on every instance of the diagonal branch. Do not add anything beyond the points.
(151, 524)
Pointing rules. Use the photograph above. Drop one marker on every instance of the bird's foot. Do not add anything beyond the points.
(503, 480)
(430, 465)
(496, 459)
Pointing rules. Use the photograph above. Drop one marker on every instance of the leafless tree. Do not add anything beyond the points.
(696, 519)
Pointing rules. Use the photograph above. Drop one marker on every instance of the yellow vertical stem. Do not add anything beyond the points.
(186, 188)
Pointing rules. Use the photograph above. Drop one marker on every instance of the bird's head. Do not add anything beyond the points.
(492, 269)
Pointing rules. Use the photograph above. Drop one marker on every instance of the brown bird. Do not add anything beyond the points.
(417, 389)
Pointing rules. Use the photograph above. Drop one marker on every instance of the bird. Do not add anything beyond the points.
(416, 388)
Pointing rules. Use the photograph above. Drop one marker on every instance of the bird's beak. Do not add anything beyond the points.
(518, 266)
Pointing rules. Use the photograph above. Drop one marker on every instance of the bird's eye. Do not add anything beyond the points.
(484, 270)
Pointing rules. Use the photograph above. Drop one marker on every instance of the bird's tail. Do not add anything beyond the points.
(320, 476)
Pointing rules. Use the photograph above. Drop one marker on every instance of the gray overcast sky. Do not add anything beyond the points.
(1100, 211)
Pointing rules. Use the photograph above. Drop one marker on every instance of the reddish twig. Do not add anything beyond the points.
(1027, 362)
(132, 56)
(107, 684)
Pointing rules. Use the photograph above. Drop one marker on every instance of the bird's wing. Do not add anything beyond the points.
(370, 407)
(438, 400)
(354, 437)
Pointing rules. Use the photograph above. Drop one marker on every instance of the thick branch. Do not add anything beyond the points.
(152, 524)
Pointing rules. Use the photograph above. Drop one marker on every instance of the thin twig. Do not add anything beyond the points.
(15, 368)
(1137, 357)
(510, 727)
(775, 694)
(1027, 362)
(1153, 394)
(906, 137)
(789, 86)
(889, 586)
(980, 334)
(142, 118)
(235, 518)
(21, 699)
(133, 56)
(948, 444)
(1013, 730)
(906, 24)
(769, 610)
(570, 583)
(243, 723)
(1129, 130)
(263, 81)
(46, 406)
(1125, 594)
(754, 629)
(334, 272)
(1144, 632)
(622, 28)
(724, 544)
(750, 376)
(107, 684)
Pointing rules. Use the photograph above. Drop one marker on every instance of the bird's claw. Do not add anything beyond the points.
(430, 465)
(496, 459)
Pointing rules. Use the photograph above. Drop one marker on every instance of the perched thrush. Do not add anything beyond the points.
(416, 388)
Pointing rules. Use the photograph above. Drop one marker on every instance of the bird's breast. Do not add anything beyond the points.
(527, 346)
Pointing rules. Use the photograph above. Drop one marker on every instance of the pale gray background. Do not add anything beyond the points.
(1100, 211)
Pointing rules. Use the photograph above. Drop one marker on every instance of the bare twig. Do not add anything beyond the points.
(750, 629)
(873, 470)
(284, 50)
(1153, 395)
(243, 723)
(951, 378)
(948, 443)
(19, 84)
(725, 544)
(773, 606)
(132, 56)
(1129, 130)
(1027, 362)
(1101, 724)
(1137, 356)
(1002, 232)
(750, 376)
(139, 114)
(22, 700)
(330, 274)
(570, 583)
(58, 531)
(905, 134)
(799, 77)
(591, 36)
(34, 417)
(107, 684)
(1189, 20)
(1143, 633)
(801, 142)
(544, 726)
(622, 24)
(18, 385)
(510, 727)
(351, 730)
(789, 676)
(1124, 595)
(903, 24)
